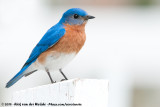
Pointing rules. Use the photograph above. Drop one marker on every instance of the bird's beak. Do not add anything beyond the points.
(89, 17)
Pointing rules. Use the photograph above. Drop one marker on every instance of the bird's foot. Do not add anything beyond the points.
(53, 82)
(63, 79)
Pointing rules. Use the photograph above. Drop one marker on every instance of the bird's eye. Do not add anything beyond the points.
(76, 16)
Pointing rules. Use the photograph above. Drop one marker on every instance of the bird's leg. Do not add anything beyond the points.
(50, 76)
(63, 75)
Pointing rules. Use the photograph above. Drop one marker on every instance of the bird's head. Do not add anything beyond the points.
(75, 16)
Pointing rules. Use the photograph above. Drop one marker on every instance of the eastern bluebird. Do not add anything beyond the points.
(58, 46)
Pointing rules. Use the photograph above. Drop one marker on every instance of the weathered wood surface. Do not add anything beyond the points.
(75, 92)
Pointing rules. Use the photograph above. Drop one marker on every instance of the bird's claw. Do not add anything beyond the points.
(63, 79)
(53, 82)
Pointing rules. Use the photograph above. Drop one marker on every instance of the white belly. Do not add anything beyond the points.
(53, 62)
(56, 62)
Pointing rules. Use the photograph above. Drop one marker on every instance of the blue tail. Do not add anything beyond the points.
(18, 76)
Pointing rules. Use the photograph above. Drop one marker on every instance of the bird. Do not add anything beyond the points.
(59, 45)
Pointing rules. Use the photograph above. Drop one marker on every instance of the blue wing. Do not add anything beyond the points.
(51, 37)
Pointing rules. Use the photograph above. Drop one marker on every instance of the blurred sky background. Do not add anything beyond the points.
(123, 46)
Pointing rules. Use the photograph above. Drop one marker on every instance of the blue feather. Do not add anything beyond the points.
(51, 37)
(18, 76)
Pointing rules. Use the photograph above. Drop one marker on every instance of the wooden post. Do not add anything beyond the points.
(71, 93)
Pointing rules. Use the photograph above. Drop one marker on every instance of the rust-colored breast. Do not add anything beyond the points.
(72, 41)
